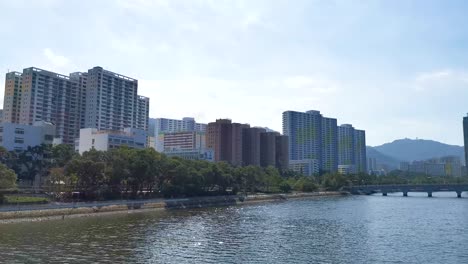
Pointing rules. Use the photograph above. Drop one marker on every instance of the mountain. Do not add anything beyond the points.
(418, 149)
(382, 159)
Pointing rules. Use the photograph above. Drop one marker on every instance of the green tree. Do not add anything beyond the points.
(62, 154)
(334, 181)
(7, 177)
(92, 179)
(285, 187)
(33, 163)
(272, 178)
(7, 180)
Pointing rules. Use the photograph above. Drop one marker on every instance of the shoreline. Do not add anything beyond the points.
(139, 206)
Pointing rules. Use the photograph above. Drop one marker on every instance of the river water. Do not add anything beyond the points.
(351, 229)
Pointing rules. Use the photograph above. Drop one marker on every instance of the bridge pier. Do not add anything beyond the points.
(384, 194)
(429, 194)
(405, 194)
(459, 194)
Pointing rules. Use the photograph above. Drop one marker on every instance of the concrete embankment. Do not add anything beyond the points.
(73, 210)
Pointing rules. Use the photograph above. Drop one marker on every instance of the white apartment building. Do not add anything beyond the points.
(192, 154)
(44, 96)
(104, 140)
(98, 99)
(112, 102)
(159, 126)
(19, 137)
(346, 169)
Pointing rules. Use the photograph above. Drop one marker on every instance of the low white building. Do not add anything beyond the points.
(104, 140)
(19, 137)
(346, 169)
(192, 154)
(308, 167)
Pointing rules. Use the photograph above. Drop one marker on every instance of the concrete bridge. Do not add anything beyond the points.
(405, 189)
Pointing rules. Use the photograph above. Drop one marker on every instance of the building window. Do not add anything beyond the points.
(19, 140)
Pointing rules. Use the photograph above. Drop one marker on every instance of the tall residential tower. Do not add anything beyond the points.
(312, 137)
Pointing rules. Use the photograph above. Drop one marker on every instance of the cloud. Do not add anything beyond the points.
(57, 61)
(442, 80)
(310, 84)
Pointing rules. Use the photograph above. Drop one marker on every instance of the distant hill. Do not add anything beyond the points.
(382, 159)
(418, 149)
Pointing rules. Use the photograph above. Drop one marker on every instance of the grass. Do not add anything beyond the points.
(10, 199)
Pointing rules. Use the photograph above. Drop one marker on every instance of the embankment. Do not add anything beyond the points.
(139, 206)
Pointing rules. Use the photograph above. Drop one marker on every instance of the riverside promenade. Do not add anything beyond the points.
(57, 210)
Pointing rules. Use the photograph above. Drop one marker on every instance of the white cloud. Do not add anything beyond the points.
(57, 61)
(310, 84)
(448, 79)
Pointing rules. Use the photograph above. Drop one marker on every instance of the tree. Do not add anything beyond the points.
(272, 177)
(334, 182)
(58, 180)
(285, 187)
(7, 177)
(91, 175)
(62, 154)
(34, 163)
(7, 180)
(305, 184)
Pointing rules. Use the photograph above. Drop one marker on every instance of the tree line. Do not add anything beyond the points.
(133, 173)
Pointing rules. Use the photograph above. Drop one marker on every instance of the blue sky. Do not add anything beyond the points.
(394, 68)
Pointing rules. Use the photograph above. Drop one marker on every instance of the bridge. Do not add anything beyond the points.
(405, 189)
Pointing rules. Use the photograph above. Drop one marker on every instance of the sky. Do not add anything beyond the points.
(397, 69)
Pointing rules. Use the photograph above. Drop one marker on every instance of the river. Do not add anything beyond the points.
(349, 229)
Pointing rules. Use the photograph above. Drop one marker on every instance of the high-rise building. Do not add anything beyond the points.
(360, 150)
(225, 139)
(51, 97)
(142, 112)
(112, 102)
(189, 140)
(81, 79)
(372, 164)
(465, 137)
(12, 98)
(352, 149)
(346, 151)
(312, 137)
(453, 166)
(97, 99)
(151, 127)
(268, 149)
(159, 126)
(282, 152)
(240, 144)
(329, 158)
(164, 125)
(251, 145)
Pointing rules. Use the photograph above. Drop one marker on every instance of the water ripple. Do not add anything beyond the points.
(362, 229)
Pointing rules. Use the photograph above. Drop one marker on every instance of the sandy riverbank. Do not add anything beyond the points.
(142, 206)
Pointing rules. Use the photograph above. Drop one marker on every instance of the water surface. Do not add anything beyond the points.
(354, 229)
